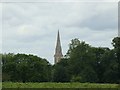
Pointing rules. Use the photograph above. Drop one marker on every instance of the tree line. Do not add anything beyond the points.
(82, 63)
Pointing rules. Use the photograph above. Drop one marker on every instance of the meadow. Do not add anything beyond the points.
(57, 85)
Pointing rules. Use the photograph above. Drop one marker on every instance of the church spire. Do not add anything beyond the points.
(58, 50)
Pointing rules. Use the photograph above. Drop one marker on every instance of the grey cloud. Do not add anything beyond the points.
(105, 20)
(0, 28)
(32, 28)
(100, 22)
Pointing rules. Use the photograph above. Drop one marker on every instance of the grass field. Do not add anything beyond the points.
(57, 85)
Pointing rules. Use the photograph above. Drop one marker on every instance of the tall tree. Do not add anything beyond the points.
(116, 44)
(73, 44)
(81, 61)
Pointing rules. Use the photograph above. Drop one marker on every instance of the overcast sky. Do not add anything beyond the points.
(31, 28)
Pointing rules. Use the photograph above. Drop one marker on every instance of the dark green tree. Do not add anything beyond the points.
(26, 68)
(81, 62)
(116, 45)
(60, 71)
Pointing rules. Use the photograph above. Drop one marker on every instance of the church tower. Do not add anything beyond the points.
(58, 51)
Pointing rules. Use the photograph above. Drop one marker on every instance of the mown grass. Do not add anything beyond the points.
(57, 85)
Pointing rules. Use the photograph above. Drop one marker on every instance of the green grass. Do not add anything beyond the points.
(57, 85)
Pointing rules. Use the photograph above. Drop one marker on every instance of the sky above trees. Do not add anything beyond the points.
(32, 27)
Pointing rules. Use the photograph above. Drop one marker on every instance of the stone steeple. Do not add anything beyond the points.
(58, 50)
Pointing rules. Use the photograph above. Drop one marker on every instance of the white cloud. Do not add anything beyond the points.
(0, 28)
(59, 0)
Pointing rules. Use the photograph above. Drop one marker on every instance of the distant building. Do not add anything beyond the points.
(58, 50)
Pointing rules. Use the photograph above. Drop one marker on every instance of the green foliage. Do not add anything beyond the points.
(25, 68)
(116, 44)
(61, 86)
(60, 73)
(74, 43)
(76, 79)
(90, 64)
(82, 63)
